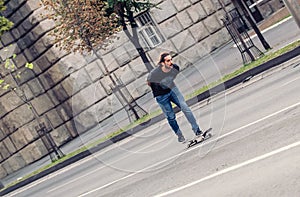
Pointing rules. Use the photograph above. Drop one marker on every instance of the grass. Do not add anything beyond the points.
(144, 119)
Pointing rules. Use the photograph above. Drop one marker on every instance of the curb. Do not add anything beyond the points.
(226, 85)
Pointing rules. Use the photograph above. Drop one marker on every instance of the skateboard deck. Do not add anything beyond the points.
(198, 139)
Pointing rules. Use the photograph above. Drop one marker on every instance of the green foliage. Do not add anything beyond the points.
(131, 5)
(11, 68)
(5, 24)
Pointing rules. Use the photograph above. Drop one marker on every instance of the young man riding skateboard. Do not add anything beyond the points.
(161, 81)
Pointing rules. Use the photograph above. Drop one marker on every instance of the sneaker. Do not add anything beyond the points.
(198, 132)
(180, 138)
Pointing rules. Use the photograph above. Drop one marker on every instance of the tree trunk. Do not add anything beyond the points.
(134, 37)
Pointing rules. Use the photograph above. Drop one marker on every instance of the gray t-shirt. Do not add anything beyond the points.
(160, 82)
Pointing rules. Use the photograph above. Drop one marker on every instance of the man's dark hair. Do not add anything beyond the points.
(162, 57)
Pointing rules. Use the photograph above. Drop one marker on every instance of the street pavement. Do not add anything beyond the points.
(224, 61)
(253, 151)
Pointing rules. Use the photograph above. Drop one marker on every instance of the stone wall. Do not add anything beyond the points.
(71, 92)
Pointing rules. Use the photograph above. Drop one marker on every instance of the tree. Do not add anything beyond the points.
(5, 24)
(83, 25)
(89, 25)
(125, 9)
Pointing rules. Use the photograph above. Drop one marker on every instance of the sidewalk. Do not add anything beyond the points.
(227, 55)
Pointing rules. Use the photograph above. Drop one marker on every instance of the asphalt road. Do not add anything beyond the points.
(254, 150)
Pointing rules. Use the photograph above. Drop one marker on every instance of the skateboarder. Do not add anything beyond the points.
(161, 81)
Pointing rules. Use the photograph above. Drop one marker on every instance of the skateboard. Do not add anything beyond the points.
(198, 139)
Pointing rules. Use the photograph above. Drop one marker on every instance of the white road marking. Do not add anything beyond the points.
(78, 163)
(289, 82)
(191, 149)
(267, 29)
(256, 159)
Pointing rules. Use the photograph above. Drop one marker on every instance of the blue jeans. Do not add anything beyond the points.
(176, 97)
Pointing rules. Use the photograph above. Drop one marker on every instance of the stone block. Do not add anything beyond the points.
(4, 128)
(4, 151)
(190, 56)
(27, 91)
(197, 12)
(33, 151)
(217, 5)
(40, 47)
(7, 167)
(33, 4)
(26, 75)
(18, 117)
(110, 63)
(15, 162)
(11, 101)
(42, 104)
(27, 25)
(170, 27)
(199, 31)
(194, 1)
(70, 125)
(131, 50)
(183, 40)
(38, 15)
(63, 113)
(181, 5)
(51, 55)
(72, 63)
(58, 94)
(85, 98)
(99, 91)
(7, 38)
(54, 75)
(208, 6)
(3, 172)
(137, 69)
(60, 135)
(184, 19)
(8, 143)
(166, 10)
(20, 60)
(80, 80)
(106, 107)
(139, 87)
(16, 18)
(29, 132)
(212, 24)
(18, 139)
(2, 110)
(126, 74)
(54, 118)
(2, 135)
(43, 63)
(121, 56)
(36, 87)
(218, 39)
(86, 120)
(94, 70)
(31, 53)
(107, 84)
(15, 33)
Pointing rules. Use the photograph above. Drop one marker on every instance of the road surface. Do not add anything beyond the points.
(254, 150)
